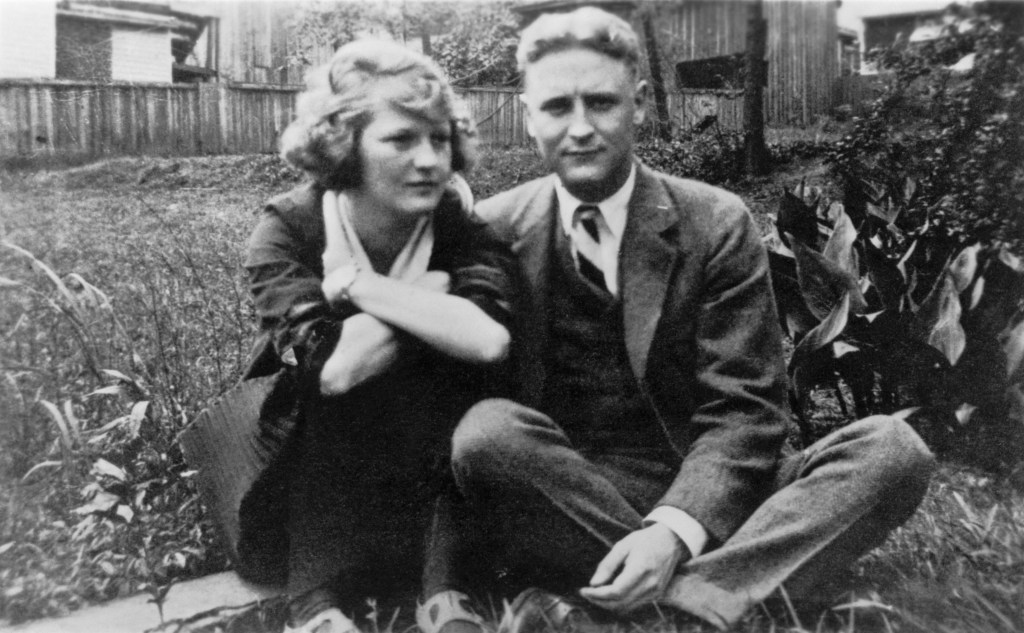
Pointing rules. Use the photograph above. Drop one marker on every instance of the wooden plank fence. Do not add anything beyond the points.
(69, 119)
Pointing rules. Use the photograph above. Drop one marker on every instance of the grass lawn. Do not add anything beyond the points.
(127, 311)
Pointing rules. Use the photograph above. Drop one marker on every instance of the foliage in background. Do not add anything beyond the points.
(714, 155)
(474, 43)
(120, 317)
(866, 298)
(958, 134)
(910, 290)
(478, 47)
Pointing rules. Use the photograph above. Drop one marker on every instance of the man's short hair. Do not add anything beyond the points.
(586, 27)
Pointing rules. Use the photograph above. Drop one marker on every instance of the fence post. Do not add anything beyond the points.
(209, 119)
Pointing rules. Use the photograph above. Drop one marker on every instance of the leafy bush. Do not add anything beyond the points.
(959, 135)
(904, 319)
(716, 156)
(712, 156)
(474, 43)
(911, 289)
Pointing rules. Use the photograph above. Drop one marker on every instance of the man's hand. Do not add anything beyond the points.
(637, 569)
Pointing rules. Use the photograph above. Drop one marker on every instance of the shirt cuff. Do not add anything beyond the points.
(689, 531)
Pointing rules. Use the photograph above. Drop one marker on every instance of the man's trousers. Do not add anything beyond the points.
(545, 512)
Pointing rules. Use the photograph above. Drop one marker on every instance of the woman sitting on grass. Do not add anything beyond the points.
(383, 309)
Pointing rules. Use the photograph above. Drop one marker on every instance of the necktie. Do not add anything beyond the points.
(588, 244)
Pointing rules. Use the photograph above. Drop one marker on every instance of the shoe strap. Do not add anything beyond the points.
(444, 607)
(336, 621)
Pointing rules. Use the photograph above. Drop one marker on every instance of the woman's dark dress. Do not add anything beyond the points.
(350, 491)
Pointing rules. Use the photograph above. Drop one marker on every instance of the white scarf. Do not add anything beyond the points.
(344, 248)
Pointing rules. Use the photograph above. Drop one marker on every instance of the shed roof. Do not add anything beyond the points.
(121, 16)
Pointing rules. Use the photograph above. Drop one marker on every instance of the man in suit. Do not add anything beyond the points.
(643, 461)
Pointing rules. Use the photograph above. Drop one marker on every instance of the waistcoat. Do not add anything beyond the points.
(590, 389)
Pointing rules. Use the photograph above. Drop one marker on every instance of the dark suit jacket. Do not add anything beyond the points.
(700, 327)
(285, 272)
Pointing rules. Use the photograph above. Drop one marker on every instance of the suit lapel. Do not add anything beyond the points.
(647, 258)
(533, 250)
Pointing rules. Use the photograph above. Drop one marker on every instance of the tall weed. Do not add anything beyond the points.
(122, 315)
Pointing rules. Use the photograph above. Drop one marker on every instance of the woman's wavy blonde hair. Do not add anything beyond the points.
(340, 98)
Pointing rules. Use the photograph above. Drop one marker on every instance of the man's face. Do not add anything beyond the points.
(583, 108)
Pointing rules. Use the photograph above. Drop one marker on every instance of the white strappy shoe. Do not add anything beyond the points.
(330, 620)
(444, 607)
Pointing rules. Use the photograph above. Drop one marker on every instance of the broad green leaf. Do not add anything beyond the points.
(977, 293)
(902, 265)
(938, 320)
(796, 220)
(101, 502)
(1012, 261)
(909, 188)
(788, 298)
(884, 275)
(67, 441)
(887, 213)
(839, 248)
(964, 267)
(125, 512)
(833, 211)
(826, 331)
(1013, 345)
(823, 283)
(105, 468)
(841, 348)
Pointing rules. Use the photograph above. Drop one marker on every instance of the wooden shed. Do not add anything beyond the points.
(803, 50)
(802, 54)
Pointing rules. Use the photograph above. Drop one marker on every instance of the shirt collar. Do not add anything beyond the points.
(613, 208)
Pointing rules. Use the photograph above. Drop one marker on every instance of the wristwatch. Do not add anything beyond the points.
(346, 276)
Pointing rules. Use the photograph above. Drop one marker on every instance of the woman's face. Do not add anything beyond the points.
(406, 161)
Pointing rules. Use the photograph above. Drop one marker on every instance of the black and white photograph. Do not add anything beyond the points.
(512, 316)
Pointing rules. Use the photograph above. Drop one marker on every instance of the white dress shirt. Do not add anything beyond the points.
(611, 224)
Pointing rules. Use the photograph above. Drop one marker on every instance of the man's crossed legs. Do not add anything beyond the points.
(547, 513)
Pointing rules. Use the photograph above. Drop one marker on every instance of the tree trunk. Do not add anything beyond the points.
(660, 98)
(754, 150)
(425, 39)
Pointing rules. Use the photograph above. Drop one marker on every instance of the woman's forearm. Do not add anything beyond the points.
(452, 325)
(367, 348)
